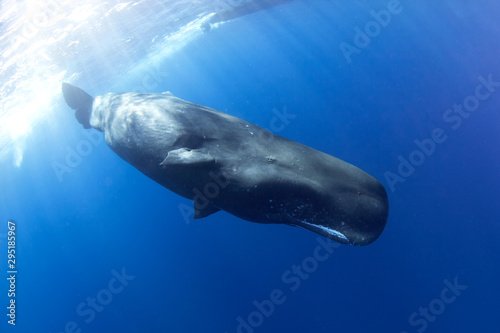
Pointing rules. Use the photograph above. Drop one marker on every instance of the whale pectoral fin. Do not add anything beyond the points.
(186, 156)
(201, 213)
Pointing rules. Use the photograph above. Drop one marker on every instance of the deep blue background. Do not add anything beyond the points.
(199, 277)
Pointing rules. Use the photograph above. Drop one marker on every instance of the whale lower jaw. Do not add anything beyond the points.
(325, 231)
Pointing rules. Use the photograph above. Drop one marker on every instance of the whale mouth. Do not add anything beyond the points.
(325, 231)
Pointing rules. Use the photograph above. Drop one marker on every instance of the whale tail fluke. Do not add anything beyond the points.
(78, 100)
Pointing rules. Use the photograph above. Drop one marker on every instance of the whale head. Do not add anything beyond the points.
(78, 100)
(360, 219)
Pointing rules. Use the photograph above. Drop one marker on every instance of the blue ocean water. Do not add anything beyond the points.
(412, 97)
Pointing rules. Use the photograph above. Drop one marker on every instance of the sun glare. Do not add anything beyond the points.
(18, 126)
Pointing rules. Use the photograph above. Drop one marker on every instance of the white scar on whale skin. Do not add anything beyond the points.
(328, 230)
